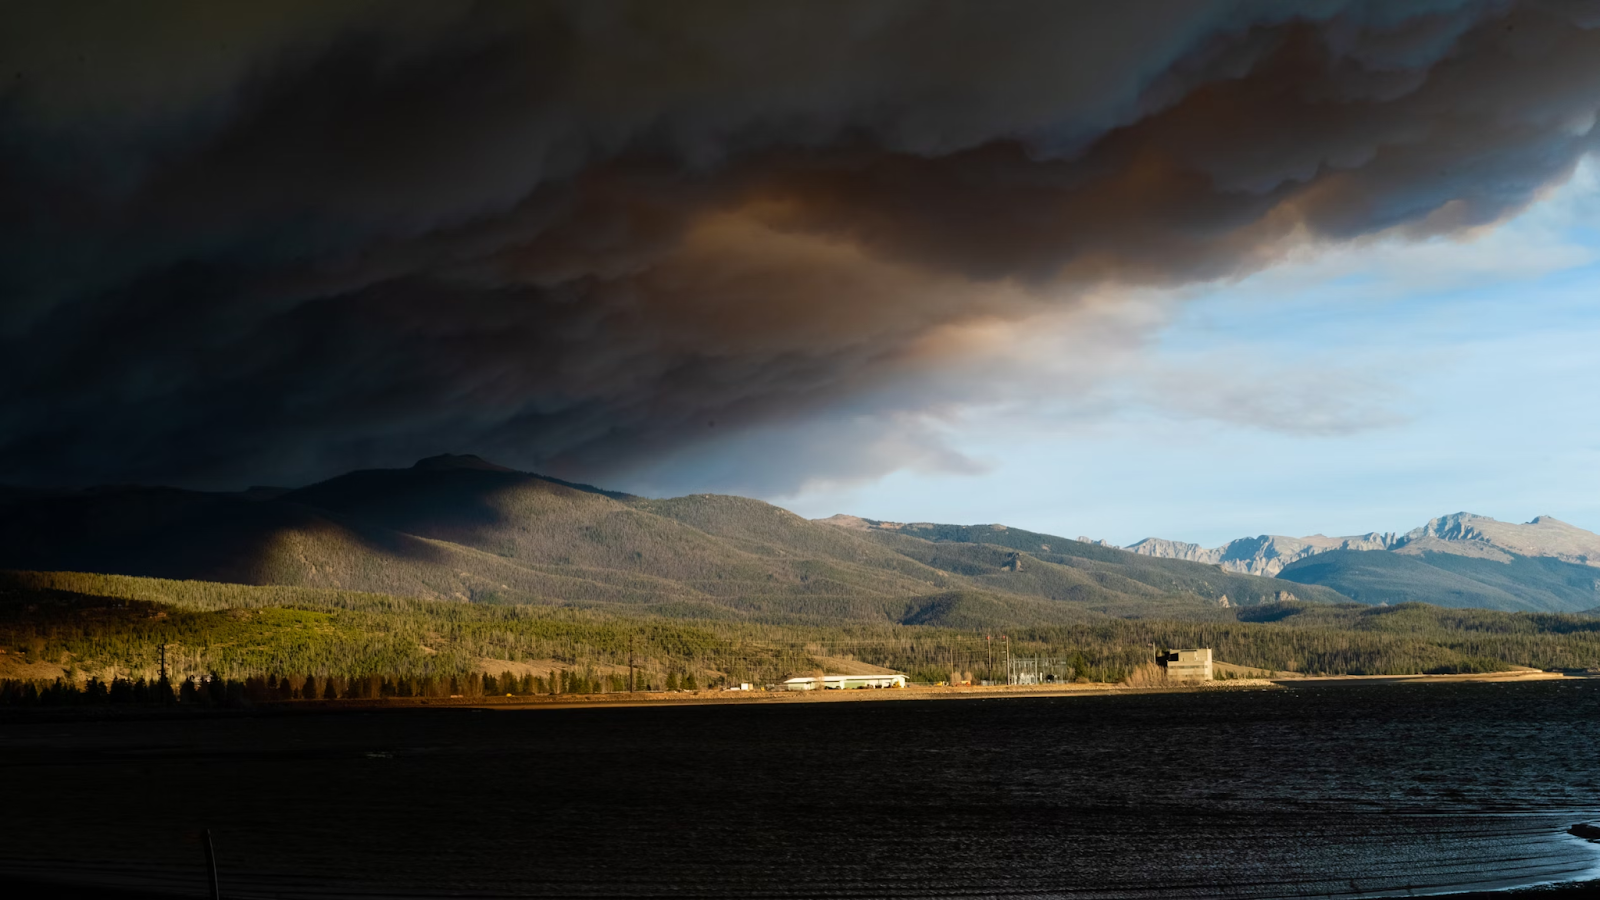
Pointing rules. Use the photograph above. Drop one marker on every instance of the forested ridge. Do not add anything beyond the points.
(463, 529)
(76, 626)
(430, 579)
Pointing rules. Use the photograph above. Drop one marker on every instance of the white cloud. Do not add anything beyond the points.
(1367, 386)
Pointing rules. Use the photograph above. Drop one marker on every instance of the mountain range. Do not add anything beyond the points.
(1456, 560)
(459, 527)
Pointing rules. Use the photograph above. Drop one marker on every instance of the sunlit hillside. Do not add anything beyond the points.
(55, 625)
(459, 528)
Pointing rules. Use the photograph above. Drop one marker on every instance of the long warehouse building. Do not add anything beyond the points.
(843, 682)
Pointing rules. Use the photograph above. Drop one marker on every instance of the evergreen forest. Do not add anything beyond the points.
(74, 637)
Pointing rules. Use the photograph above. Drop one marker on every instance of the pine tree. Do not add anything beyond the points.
(216, 688)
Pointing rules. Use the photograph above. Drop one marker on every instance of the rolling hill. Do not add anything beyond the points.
(1108, 567)
(461, 528)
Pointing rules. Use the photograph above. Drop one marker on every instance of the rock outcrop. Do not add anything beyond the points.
(1460, 534)
(1264, 555)
(1466, 534)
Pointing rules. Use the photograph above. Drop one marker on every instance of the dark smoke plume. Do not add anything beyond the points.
(272, 242)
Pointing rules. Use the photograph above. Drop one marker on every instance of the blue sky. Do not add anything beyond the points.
(1347, 388)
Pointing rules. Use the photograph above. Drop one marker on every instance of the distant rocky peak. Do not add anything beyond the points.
(1164, 548)
(1461, 526)
(1474, 535)
(1264, 554)
(1459, 534)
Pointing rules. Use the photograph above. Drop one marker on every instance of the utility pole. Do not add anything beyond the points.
(988, 643)
(211, 866)
(630, 663)
(1007, 639)
(163, 662)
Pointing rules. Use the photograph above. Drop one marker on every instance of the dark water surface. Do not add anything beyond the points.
(1318, 791)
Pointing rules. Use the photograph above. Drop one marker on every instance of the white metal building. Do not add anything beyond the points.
(843, 682)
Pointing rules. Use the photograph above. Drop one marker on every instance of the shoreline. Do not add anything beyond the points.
(1515, 675)
(21, 886)
(924, 692)
(1559, 889)
(644, 699)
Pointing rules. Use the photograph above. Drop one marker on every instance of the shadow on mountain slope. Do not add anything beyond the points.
(458, 527)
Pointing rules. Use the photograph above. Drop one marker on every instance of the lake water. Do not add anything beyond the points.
(1309, 792)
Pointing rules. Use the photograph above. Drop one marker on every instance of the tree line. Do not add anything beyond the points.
(112, 628)
(214, 690)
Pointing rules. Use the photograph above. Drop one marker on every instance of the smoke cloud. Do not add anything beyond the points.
(271, 243)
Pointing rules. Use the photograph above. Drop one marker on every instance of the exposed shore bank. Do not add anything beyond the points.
(47, 890)
(724, 697)
(926, 692)
(1517, 674)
